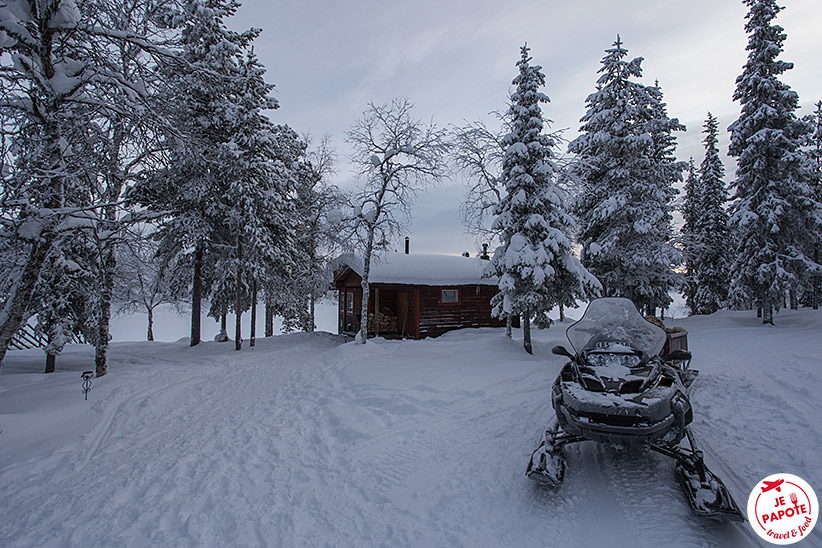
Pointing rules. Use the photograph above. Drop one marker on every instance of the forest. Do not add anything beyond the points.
(140, 167)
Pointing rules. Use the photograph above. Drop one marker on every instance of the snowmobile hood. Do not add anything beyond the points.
(613, 324)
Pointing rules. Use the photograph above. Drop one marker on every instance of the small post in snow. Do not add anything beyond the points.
(87, 382)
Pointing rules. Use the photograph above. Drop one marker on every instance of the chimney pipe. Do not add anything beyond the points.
(407, 245)
(484, 255)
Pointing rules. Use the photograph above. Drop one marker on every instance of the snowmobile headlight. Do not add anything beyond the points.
(598, 359)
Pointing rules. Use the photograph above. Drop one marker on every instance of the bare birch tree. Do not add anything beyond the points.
(398, 156)
(63, 67)
(478, 153)
(142, 283)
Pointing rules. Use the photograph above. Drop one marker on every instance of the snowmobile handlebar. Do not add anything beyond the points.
(562, 351)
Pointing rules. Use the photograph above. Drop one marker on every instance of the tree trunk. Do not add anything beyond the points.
(150, 331)
(269, 316)
(816, 287)
(509, 324)
(20, 294)
(312, 301)
(369, 247)
(197, 295)
(526, 331)
(767, 312)
(238, 303)
(51, 360)
(253, 334)
(115, 181)
(108, 263)
(222, 336)
(561, 313)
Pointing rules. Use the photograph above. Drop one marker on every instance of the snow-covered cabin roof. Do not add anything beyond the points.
(422, 269)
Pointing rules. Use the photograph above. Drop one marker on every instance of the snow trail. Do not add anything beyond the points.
(306, 442)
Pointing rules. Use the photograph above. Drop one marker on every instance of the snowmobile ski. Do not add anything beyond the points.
(708, 498)
(706, 493)
(545, 467)
(547, 464)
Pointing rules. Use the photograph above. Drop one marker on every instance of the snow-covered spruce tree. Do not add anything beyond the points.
(624, 162)
(534, 262)
(813, 163)
(665, 172)
(773, 214)
(200, 100)
(711, 227)
(813, 149)
(398, 157)
(255, 207)
(690, 236)
(283, 289)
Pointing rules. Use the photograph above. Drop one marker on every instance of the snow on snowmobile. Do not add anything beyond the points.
(617, 389)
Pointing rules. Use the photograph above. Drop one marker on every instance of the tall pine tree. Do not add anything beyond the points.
(711, 227)
(626, 169)
(773, 213)
(536, 268)
(257, 214)
(202, 95)
(690, 236)
(813, 157)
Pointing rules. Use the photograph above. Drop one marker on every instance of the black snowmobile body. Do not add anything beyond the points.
(616, 389)
(644, 404)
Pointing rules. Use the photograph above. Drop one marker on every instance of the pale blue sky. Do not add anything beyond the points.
(455, 60)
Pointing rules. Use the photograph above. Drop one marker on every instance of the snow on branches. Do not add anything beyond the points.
(536, 268)
(775, 218)
(626, 168)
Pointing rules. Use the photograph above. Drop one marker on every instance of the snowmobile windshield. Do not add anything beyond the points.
(613, 324)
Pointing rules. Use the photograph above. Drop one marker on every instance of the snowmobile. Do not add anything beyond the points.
(617, 389)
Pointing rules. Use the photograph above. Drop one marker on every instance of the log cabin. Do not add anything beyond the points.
(416, 295)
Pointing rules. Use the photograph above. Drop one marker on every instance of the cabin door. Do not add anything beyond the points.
(352, 324)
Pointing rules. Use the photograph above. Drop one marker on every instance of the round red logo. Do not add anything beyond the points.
(783, 509)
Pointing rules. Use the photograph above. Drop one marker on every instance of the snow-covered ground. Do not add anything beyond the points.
(306, 441)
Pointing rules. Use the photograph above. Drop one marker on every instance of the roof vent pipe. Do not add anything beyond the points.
(484, 255)
(407, 245)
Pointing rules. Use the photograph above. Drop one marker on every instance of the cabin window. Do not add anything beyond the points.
(349, 302)
(449, 296)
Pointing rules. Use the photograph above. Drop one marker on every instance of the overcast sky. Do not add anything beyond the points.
(455, 59)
